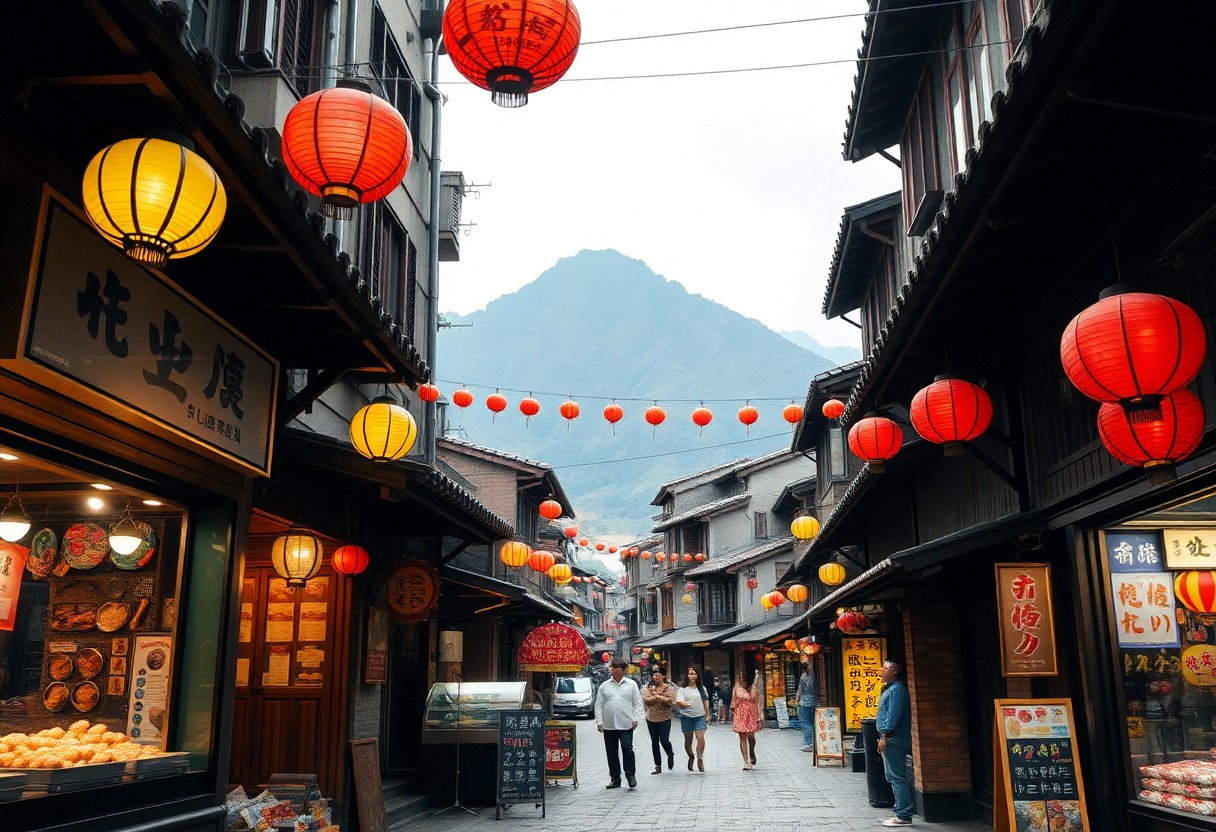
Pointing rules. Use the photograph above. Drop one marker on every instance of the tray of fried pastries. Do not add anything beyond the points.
(81, 756)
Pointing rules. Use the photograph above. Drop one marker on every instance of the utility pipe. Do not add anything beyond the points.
(432, 242)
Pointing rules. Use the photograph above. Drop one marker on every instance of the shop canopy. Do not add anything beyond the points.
(768, 630)
(554, 648)
(686, 636)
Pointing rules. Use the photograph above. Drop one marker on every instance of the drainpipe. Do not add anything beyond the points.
(348, 36)
(432, 241)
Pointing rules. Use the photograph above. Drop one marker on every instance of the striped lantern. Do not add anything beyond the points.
(514, 553)
(874, 440)
(796, 593)
(831, 574)
(1196, 589)
(951, 411)
(560, 573)
(1155, 446)
(804, 527)
(540, 561)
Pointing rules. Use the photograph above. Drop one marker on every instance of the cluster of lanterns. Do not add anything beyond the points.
(669, 559)
(517, 554)
(806, 645)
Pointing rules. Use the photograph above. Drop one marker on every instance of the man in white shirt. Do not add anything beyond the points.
(618, 710)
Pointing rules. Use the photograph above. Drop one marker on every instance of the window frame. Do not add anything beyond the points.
(392, 70)
(717, 602)
(760, 524)
(922, 172)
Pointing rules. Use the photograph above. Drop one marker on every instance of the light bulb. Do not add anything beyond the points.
(125, 536)
(14, 522)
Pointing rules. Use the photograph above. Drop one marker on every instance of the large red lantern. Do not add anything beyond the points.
(701, 417)
(951, 411)
(346, 146)
(833, 408)
(462, 398)
(1155, 446)
(550, 509)
(792, 414)
(511, 49)
(748, 415)
(428, 392)
(853, 622)
(1133, 348)
(349, 560)
(541, 561)
(874, 440)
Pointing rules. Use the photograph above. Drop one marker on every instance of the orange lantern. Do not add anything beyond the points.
(349, 560)
(612, 551)
(792, 414)
(529, 407)
(646, 555)
(511, 49)
(699, 557)
(569, 411)
(796, 593)
(514, 553)
(833, 408)
(428, 392)
(570, 531)
(701, 417)
(748, 416)
(614, 413)
(497, 403)
(661, 556)
(550, 509)
(584, 542)
(687, 557)
(874, 440)
(791, 645)
(541, 561)
(462, 398)
(346, 146)
(599, 547)
(655, 416)
(1196, 589)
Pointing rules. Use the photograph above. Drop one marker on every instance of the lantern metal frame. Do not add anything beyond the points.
(278, 556)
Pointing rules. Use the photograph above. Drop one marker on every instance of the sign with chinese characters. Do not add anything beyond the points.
(1199, 665)
(1135, 552)
(862, 661)
(1037, 776)
(1026, 623)
(12, 564)
(412, 590)
(553, 648)
(127, 334)
(828, 744)
(521, 758)
(561, 751)
(1144, 609)
(1189, 548)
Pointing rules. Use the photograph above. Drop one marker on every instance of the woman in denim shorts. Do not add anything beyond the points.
(692, 704)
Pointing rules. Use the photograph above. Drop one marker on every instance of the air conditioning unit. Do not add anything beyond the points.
(451, 197)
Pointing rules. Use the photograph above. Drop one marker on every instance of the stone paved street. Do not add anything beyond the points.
(783, 792)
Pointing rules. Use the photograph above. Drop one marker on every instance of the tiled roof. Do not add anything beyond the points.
(724, 563)
(766, 630)
(749, 465)
(668, 486)
(446, 488)
(812, 412)
(845, 289)
(545, 604)
(531, 465)
(724, 504)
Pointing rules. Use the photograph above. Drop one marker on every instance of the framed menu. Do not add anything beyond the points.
(1037, 774)
(828, 743)
(561, 751)
(147, 714)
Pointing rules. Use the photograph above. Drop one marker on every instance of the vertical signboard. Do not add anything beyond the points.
(862, 659)
(1142, 592)
(1026, 622)
(828, 744)
(561, 751)
(151, 673)
(1037, 775)
(521, 759)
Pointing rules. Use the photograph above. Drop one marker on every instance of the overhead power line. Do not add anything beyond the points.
(668, 453)
(532, 391)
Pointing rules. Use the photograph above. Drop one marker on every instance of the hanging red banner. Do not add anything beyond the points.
(12, 564)
(554, 648)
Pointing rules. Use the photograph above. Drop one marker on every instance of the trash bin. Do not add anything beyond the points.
(877, 787)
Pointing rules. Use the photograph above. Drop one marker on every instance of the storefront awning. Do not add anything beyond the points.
(691, 635)
(768, 630)
(547, 606)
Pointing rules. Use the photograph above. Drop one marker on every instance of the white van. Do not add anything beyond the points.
(574, 695)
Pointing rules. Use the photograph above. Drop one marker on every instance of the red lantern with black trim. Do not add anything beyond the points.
(511, 49)
(428, 392)
(1154, 446)
(874, 440)
(792, 414)
(951, 411)
(833, 408)
(349, 560)
(462, 398)
(1133, 348)
(550, 509)
(347, 146)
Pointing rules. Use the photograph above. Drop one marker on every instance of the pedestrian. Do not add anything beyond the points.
(894, 726)
(808, 698)
(746, 709)
(618, 710)
(711, 686)
(692, 703)
(658, 697)
(724, 692)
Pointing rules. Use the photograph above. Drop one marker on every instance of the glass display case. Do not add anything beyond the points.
(474, 706)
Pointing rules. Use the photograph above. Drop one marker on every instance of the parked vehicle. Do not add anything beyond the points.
(574, 695)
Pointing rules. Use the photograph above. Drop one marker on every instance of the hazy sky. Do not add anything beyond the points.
(732, 184)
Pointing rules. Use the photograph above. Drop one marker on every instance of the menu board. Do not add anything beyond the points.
(295, 630)
(1037, 775)
(561, 751)
(862, 662)
(521, 758)
(149, 697)
(828, 743)
(782, 712)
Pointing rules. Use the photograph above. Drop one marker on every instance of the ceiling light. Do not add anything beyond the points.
(101, 486)
(95, 503)
(7, 457)
(125, 536)
(14, 522)
(152, 502)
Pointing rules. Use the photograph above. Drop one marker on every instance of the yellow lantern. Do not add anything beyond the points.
(560, 573)
(831, 574)
(514, 553)
(155, 199)
(687, 599)
(796, 593)
(766, 602)
(791, 645)
(804, 527)
(296, 556)
(383, 431)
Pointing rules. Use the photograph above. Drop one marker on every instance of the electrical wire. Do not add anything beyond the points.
(647, 399)
(667, 453)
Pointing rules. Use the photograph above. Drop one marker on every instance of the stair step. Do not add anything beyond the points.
(394, 788)
(402, 808)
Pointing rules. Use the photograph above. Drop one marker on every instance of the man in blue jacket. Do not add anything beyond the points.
(894, 725)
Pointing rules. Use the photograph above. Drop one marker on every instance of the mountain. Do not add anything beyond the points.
(600, 325)
(837, 355)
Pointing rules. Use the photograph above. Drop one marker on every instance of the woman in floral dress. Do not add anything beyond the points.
(745, 706)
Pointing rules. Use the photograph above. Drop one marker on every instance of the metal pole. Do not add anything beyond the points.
(432, 241)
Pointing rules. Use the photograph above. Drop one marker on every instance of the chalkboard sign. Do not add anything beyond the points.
(521, 759)
(1037, 774)
(561, 752)
(828, 744)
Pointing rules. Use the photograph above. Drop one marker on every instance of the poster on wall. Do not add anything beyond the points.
(375, 658)
(828, 744)
(1141, 591)
(1187, 548)
(148, 700)
(1037, 777)
(862, 659)
(1026, 621)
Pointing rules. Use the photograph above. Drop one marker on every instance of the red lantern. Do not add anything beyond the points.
(701, 417)
(605, 655)
(599, 547)
(497, 403)
(792, 413)
(462, 398)
(689, 587)
(349, 560)
(661, 556)
(550, 509)
(748, 416)
(643, 663)
(646, 555)
(951, 411)
(874, 440)
(569, 411)
(584, 542)
(853, 622)
(699, 557)
(577, 579)
(571, 531)
(612, 551)
(511, 49)
(752, 583)
(428, 392)
(1133, 348)
(777, 597)
(813, 648)
(541, 561)
(346, 146)
(614, 413)
(688, 557)
(529, 407)
(655, 416)
(1156, 446)
(833, 408)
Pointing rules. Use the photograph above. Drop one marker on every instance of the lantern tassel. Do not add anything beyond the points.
(1160, 473)
(1144, 411)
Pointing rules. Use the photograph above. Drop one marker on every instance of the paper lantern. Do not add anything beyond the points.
(831, 574)
(804, 527)
(1132, 348)
(766, 602)
(497, 403)
(599, 547)
(584, 542)
(748, 415)
(462, 398)
(577, 579)
(853, 622)
(690, 586)
(347, 146)
(349, 560)
(383, 431)
(792, 413)
(296, 556)
(777, 597)
(796, 593)
(699, 557)
(514, 553)
(951, 411)
(655, 416)
(833, 408)
(529, 407)
(701, 417)
(606, 655)
(612, 551)
(156, 199)
(791, 645)
(687, 599)
(874, 440)
(646, 555)
(560, 573)
(570, 531)
(1196, 590)
(1154, 446)
(428, 392)
(541, 561)
(569, 412)
(687, 557)
(643, 662)
(614, 413)
(752, 583)
(550, 509)
(661, 556)
(511, 49)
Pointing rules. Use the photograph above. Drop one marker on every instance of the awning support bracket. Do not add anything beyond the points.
(318, 383)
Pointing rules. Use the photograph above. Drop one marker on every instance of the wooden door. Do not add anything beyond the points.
(289, 713)
(669, 608)
(405, 696)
